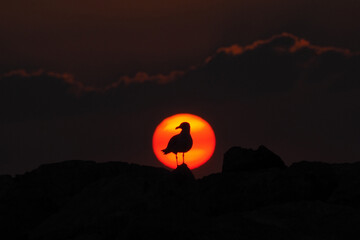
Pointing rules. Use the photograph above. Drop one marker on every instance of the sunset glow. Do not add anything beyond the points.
(201, 132)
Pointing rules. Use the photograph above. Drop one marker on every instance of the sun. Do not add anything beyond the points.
(201, 132)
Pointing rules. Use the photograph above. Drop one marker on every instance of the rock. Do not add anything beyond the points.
(36, 195)
(179, 182)
(88, 200)
(347, 191)
(310, 181)
(183, 174)
(308, 220)
(238, 159)
(5, 183)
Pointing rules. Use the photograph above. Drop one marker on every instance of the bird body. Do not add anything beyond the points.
(181, 142)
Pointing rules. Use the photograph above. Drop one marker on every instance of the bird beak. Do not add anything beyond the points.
(177, 127)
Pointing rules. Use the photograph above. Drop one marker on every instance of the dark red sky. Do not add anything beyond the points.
(98, 41)
(300, 99)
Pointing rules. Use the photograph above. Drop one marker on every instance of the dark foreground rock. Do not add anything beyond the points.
(182, 175)
(88, 200)
(238, 159)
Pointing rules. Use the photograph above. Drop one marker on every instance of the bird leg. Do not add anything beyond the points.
(183, 159)
(176, 160)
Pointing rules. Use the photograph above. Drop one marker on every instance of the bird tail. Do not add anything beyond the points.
(165, 151)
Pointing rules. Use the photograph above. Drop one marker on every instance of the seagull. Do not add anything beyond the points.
(181, 142)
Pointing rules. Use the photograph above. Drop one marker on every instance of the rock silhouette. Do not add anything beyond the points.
(115, 200)
(182, 174)
(242, 159)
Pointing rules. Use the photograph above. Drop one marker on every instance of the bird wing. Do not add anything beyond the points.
(173, 143)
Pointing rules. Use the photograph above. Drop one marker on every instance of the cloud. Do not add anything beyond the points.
(38, 94)
(142, 77)
(282, 42)
(282, 64)
(66, 78)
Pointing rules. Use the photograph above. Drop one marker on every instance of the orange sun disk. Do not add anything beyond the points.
(201, 132)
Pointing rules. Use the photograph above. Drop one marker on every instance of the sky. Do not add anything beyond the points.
(92, 79)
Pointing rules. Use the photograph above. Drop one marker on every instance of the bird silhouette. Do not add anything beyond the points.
(181, 142)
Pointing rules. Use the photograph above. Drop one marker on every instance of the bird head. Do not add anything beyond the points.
(184, 126)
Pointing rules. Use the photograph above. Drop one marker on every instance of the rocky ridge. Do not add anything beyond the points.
(256, 196)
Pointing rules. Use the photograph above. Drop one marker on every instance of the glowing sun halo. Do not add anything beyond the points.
(201, 132)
